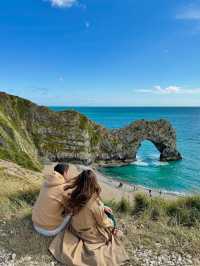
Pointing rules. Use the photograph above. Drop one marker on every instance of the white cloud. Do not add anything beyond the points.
(63, 3)
(167, 90)
(189, 13)
(170, 90)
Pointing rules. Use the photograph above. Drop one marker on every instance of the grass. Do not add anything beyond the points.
(19, 147)
(155, 224)
(17, 190)
(183, 211)
(17, 196)
(123, 206)
(160, 224)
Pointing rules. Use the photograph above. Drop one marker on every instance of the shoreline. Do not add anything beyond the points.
(126, 189)
(133, 188)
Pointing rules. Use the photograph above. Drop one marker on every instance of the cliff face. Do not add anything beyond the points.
(29, 133)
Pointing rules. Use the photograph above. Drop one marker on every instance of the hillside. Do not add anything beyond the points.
(32, 134)
(157, 231)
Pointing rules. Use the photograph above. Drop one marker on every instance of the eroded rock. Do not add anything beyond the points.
(31, 133)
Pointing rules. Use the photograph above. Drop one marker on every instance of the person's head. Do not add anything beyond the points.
(84, 187)
(62, 169)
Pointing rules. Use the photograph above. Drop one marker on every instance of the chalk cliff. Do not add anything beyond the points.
(30, 134)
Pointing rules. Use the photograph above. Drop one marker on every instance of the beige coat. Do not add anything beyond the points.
(88, 240)
(48, 211)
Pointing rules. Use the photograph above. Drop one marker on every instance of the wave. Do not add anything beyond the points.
(176, 193)
(152, 160)
(140, 163)
(158, 163)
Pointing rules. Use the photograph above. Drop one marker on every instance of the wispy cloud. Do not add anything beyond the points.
(167, 90)
(63, 3)
(191, 12)
(170, 90)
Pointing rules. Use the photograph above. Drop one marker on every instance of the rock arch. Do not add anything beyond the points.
(159, 132)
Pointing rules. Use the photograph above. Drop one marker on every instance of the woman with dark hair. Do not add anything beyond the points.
(90, 238)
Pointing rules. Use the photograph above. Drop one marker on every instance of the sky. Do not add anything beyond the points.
(101, 52)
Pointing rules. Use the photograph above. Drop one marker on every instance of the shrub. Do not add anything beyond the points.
(193, 202)
(124, 206)
(184, 211)
(25, 197)
(141, 203)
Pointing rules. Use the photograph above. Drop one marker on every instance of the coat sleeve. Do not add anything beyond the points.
(100, 215)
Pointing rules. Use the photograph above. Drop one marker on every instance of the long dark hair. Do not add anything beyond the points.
(84, 187)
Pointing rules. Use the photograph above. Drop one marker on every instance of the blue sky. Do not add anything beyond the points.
(101, 52)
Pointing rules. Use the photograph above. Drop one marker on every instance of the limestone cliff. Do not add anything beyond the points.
(30, 133)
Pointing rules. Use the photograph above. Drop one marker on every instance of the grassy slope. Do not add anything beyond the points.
(146, 231)
(19, 146)
(19, 188)
(158, 224)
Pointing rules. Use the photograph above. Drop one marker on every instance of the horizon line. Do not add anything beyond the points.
(126, 106)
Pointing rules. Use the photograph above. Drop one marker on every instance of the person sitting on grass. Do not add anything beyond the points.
(90, 237)
(48, 214)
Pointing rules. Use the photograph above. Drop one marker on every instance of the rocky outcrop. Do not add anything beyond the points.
(30, 133)
(159, 132)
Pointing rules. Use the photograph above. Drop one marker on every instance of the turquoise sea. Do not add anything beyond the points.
(182, 176)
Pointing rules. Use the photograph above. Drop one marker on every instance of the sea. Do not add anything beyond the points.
(182, 177)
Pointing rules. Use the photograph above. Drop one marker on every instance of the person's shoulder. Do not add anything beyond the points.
(94, 202)
(73, 171)
(55, 180)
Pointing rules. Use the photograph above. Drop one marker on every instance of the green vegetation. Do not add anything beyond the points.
(18, 190)
(159, 224)
(92, 129)
(123, 206)
(83, 122)
(19, 157)
(183, 211)
(18, 146)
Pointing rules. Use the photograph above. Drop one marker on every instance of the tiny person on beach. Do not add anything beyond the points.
(120, 185)
(150, 193)
(91, 237)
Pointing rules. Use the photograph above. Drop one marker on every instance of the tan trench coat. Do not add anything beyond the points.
(88, 240)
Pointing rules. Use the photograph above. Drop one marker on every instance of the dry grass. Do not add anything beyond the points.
(19, 189)
(160, 224)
